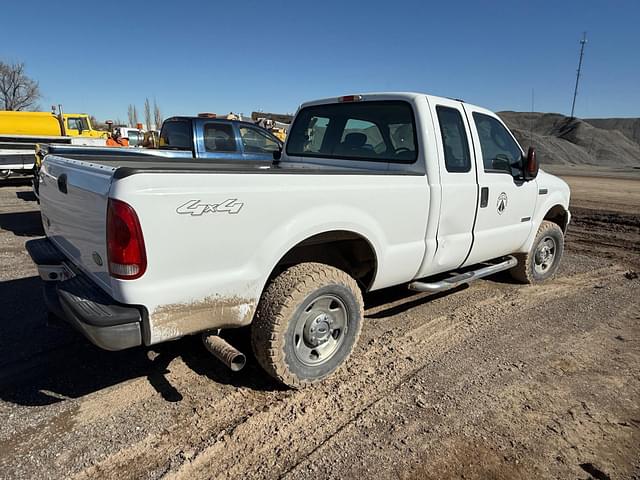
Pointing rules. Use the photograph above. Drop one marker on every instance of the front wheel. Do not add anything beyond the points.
(543, 260)
(307, 323)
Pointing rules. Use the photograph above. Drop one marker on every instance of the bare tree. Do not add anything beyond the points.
(130, 115)
(147, 114)
(157, 116)
(17, 90)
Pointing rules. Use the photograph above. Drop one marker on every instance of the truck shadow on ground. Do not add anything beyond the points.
(16, 181)
(400, 299)
(44, 362)
(23, 224)
(27, 196)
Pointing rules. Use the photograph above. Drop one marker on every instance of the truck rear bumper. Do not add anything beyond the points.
(106, 323)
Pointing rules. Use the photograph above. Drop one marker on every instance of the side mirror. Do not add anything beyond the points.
(531, 166)
(277, 155)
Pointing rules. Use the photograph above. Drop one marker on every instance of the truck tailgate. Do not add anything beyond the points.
(73, 201)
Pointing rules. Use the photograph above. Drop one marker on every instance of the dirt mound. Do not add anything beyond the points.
(630, 127)
(561, 140)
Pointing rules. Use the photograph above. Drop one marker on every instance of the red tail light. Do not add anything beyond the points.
(125, 244)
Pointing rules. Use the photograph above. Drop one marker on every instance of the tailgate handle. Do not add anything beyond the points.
(62, 183)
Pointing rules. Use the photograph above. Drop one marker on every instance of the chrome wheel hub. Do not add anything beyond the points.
(545, 255)
(320, 330)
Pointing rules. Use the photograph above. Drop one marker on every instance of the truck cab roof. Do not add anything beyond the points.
(381, 96)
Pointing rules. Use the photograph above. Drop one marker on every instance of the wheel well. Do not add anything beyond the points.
(345, 250)
(558, 215)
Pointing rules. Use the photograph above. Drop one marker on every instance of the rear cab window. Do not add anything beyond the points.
(382, 131)
(176, 135)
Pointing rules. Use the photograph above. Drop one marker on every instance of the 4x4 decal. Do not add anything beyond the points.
(195, 208)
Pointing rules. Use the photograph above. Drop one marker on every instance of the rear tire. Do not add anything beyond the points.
(543, 260)
(307, 322)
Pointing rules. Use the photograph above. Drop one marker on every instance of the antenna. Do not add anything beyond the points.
(532, 110)
(575, 91)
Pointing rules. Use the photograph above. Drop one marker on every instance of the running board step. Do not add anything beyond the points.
(467, 277)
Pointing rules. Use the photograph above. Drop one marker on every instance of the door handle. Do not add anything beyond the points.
(62, 183)
(484, 197)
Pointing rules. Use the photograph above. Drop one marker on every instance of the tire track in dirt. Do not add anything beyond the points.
(464, 427)
(239, 409)
(287, 424)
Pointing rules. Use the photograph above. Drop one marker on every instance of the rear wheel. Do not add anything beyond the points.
(307, 323)
(543, 260)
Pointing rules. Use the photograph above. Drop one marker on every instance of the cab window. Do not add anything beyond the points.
(256, 141)
(219, 137)
(454, 140)
(368, 131)
(176, 135)
(499, 150)
(77, 123)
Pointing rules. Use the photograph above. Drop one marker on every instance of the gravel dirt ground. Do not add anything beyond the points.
(495, 380)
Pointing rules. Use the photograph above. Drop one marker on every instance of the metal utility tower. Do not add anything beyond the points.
(575, 91)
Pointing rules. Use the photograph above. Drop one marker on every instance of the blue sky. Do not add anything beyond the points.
(195, 56)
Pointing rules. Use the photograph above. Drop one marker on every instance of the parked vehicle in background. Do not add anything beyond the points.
(276, 123)
(20, 132)
(206, 137)
(210, 137)
(47, 124)
(370, 191)
(134, 136)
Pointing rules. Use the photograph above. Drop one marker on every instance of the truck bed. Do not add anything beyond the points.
(133, 164)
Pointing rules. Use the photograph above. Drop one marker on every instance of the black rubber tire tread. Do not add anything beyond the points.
(277, 305)
(523, 272)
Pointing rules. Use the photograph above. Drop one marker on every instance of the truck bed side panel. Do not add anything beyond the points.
(212, 240)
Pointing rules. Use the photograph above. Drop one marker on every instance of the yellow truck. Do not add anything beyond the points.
(39, 124)
(20, 132)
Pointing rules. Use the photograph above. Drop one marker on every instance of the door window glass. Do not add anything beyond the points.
(219, 137)
(454, 140)
(499, 149)
(255, 141)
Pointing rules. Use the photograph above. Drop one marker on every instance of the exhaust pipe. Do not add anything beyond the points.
(230, 356)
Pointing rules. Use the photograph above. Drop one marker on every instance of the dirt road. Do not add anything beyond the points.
(491, 381)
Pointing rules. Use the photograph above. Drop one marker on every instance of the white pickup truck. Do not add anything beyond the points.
(370, 191)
